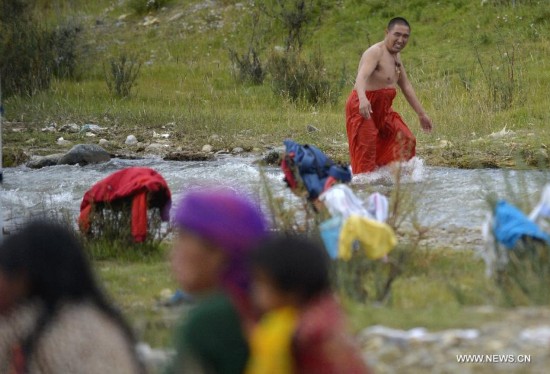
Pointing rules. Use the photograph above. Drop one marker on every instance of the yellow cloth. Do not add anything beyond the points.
(376, 238)
(271, 343)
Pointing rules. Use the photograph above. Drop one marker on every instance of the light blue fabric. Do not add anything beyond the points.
(511, 224)
(330, 233)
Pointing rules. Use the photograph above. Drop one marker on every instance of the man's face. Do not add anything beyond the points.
(397, 38)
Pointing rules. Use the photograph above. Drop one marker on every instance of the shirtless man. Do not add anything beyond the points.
(377, 135)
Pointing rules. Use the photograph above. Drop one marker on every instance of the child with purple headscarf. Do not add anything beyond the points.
(216, 230)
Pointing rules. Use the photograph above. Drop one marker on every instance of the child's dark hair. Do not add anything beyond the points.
(53, 260)
(295, 264)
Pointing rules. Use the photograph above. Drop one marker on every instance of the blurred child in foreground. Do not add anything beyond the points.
(303, 329)
(215, 232)
(54, 318)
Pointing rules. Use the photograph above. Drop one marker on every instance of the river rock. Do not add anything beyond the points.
(237, 150)
(84, 154)
(311, 128)
(70, 127)
(207, 148)
(150, 21)
(156, 147)
(90, 127)
(50, 128)
(157, 135)
(175, 17)
(62, 142)
(536, 335)
(37, 162)
(272, 158)
(188, 156)
(131, 140)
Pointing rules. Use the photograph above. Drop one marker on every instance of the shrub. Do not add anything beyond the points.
(247, 67)
(525, 278)
(521, 273)
(65, 49)
(501, 77)
(295, 16)
(110, 233)
(360, 279)
(144, 6)
(29, 54)
(300, 79)
(26, 53)
(121, 74)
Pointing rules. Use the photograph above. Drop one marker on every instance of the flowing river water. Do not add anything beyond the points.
(444, 198)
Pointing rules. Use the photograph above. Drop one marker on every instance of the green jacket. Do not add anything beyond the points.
(210, 339)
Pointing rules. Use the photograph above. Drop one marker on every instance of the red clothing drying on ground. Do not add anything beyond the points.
(381, 139)
(133, 183)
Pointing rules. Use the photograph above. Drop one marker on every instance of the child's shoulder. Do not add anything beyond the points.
(320, 316)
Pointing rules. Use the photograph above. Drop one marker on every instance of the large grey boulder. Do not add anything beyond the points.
(37, 162)
(84, 154)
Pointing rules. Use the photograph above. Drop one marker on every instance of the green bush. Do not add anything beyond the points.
(525, 278)
(110, 233)
(300, 79)
(25, 51)
(247, 68)
(65, 42)
(144, 6)
(295, 16)
(121, 74)
(30, 54)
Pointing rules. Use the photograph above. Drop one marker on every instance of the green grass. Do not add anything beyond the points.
(439, 289)
(136, 287)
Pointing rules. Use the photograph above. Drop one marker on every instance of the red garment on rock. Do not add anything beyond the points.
(321, 344)
(381, 139)
(133, 183)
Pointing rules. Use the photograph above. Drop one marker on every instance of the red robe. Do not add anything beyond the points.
(321, 344)
(381, 139)
(135, 183)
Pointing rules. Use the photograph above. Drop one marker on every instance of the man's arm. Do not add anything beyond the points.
(410, 95)
(368, 63)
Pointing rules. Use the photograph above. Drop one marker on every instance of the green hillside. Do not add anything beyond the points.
(477, 66)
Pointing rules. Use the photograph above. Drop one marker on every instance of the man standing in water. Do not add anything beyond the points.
(377, 135)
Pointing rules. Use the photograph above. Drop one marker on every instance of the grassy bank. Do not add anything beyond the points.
(476, 68)
(439, 289)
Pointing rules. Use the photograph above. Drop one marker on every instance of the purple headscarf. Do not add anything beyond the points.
(227, 220)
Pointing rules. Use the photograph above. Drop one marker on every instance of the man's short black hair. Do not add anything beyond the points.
(398, 21)
(294, 264)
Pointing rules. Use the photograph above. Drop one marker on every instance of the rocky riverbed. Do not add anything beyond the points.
(517, 341)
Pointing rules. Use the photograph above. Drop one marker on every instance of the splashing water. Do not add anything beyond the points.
(411, 171)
